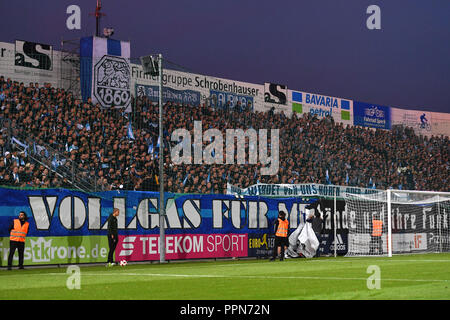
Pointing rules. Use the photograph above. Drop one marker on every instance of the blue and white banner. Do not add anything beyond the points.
(222, 219)
(371, 115)
(105, 71)
(177, 96)
(296, 190)
(61, 212)
(221, 99)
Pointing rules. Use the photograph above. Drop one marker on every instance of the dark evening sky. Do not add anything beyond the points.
(320, 46)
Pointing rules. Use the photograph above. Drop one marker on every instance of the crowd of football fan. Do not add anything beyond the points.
(41, 121)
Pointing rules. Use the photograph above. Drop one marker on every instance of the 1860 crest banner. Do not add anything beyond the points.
(105, 72)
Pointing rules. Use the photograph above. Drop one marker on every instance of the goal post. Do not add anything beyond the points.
(388, 222)
(389, 219)
(368, 220)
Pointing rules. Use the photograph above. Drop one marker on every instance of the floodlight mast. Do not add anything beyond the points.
(162, 207)
(149, 66)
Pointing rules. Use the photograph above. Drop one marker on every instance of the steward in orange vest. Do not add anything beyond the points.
(376, 245)
(18, 232)
(377, 228)
(281, 236)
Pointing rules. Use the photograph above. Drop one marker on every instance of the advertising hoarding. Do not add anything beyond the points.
(371, 115)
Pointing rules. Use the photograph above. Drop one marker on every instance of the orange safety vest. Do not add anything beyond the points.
(19, 232)
(283, 227)
(377, 228)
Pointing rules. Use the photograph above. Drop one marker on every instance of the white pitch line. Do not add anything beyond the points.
(350, 260)
(234, 264)
(246, 277)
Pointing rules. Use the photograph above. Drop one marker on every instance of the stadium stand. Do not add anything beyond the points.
(49, 139)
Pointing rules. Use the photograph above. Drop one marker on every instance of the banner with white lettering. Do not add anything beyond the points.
(68, 225)
(296, 190)
(330, 212)
(197, 226)
(170, 95)
(371, 115)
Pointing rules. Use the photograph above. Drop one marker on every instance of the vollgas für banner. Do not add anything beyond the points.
(105, 71)
(66, 225)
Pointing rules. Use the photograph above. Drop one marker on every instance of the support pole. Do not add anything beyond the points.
(439, 224)
(389, 216)
(335, 227)
(162, 209)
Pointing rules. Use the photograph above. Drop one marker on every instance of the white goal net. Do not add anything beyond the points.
(398, 221)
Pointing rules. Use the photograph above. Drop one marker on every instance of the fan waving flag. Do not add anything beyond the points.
(150, 148)
(327, 177)
(130, 132)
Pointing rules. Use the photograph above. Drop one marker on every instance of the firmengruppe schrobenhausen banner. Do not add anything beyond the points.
(184, 87)
(371, 115)
(321, 106)
(68, 226)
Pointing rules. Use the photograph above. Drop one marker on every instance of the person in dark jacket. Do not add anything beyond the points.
(316, 224)
(113, 235)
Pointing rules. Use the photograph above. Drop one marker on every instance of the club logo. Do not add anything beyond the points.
(275, 93)
(112, 82)
(33, 55)
(373, 111)
(128, 246)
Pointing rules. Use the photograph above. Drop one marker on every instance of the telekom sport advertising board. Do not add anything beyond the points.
(69, 226)
(182, 246)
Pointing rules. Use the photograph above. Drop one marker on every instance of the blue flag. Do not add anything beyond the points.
(327, 177)
(185, 179)
(55, 162)
(150, 148)
(130, 132)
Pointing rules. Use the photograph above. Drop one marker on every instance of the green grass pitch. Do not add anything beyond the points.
(402, 277)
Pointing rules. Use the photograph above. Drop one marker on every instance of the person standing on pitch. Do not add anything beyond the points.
(316, 221)
(281, 236)
(113, 235)
(18, 232)
(377, 232)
